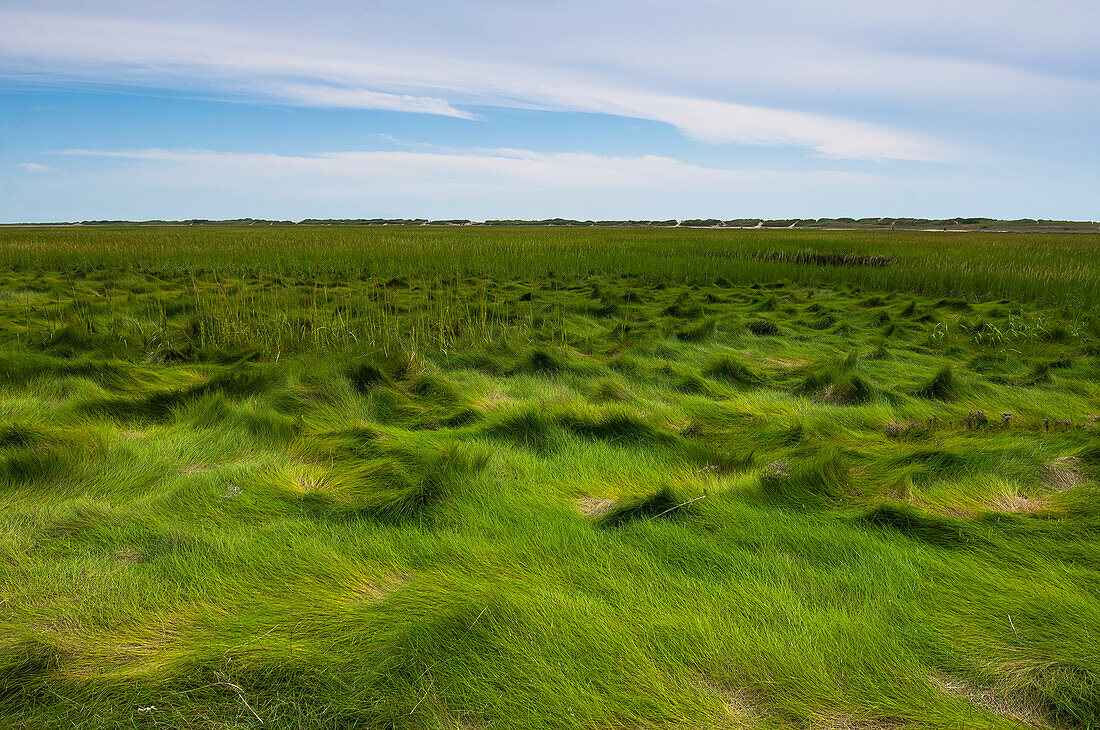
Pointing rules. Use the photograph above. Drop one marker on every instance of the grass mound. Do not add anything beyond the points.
(528, 427)
(943, 385)
(606, 390)
(32, 455)
(733, 370)
(615, 425)
(810, 481)
(662, 504)
(764, 328)
(26, 670)
(837, 383)
(1089, 455)
(378, 369)
(699, 332)
(378, 487)
(434, 387)
(940, 531)
(541, 361)
(366, 375)
(400, 485)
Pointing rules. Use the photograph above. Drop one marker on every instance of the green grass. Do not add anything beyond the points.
(472, 478)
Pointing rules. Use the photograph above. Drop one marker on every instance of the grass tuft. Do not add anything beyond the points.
(943, 385)
(764, 328)
(936, 530)
(809, 481)
(662, 504)
(837, 383)
(732, 370)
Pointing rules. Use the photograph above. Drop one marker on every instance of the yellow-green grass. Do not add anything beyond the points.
(409, 478)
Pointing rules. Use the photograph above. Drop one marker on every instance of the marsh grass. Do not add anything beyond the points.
(419, 478)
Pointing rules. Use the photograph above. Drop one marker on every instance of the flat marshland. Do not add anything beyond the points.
(517, 478)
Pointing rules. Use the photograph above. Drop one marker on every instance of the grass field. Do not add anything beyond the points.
(527, 477)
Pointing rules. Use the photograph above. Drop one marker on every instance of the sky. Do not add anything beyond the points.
(588, 109)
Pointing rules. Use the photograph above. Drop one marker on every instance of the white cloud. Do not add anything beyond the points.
(712, 121)
(504, 167)
(213, 60)
(35, 167)
(504, 183)
(474, 183)
(317, 95)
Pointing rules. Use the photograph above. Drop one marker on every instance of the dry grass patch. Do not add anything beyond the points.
(492, 401)
(1061, 474)
(310, 483)
(1019, 504)
(194, 468)
(962, 513)
(593, 507)
(741, 704)
(374, 590)
(850, 723)
(128, 554)
(1012, 705)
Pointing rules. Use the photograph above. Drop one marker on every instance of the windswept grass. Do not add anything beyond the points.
(451, 478)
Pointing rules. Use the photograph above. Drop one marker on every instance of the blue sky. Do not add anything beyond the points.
(584, 109)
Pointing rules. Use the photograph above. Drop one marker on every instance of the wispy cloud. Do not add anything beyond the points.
(502, 166)
(497, 183)
(198, 57)
(320, 95)
(35, 167)
(712, 121)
